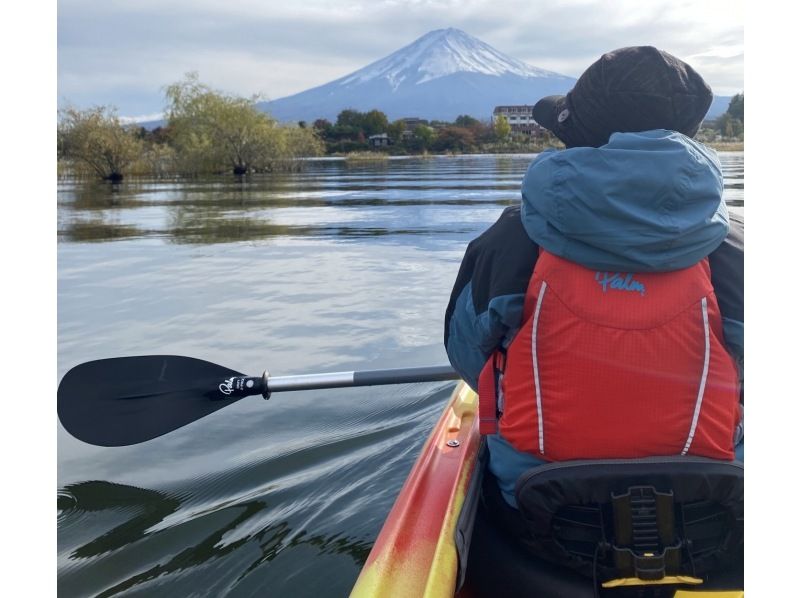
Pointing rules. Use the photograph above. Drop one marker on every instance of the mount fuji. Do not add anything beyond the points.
(441, 75)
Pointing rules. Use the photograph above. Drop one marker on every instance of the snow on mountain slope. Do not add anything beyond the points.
(440, 53)
(441, 75)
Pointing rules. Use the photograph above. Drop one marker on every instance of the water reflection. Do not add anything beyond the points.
(142, 509)
(397, 199)
(208, 225)
(97, 230)
(329, 198)
(97, 496)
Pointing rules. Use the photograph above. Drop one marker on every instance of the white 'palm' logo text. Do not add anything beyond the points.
(226, 387)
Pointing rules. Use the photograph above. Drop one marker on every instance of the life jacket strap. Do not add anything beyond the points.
(488, 391)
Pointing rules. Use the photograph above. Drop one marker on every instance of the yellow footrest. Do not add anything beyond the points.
(709, 594)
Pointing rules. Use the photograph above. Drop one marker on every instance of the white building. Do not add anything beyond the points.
(380, 140)
(520, 118)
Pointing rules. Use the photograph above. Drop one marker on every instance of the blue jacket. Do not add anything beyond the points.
(644, 202)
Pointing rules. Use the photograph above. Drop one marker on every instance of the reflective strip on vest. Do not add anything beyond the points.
(703, 379)
(542, 289)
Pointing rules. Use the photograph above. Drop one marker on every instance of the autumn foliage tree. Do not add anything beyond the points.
(460, 139)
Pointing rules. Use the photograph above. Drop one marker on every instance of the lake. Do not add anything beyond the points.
(342, 266)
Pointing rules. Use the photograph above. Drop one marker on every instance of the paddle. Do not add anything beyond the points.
(128, 400)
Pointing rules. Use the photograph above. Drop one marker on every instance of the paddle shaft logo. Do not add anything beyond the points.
(619, 282)
(238, 385)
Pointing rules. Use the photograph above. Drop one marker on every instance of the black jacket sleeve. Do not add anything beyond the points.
(485, 307)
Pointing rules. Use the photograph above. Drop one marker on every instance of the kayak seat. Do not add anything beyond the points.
(666, 523)
(656, 520)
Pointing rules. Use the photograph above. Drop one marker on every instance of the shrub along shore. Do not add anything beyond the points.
(210, 132)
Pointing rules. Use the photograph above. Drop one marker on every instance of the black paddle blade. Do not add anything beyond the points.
(128, 400)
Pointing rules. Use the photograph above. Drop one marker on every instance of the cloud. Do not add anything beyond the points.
(125, 52)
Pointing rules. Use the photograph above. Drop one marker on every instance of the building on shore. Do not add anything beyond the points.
(520, 118)
(380, 140)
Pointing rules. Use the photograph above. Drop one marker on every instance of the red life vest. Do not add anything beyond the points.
(614, 365)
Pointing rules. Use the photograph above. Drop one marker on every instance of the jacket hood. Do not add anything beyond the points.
(644, 202)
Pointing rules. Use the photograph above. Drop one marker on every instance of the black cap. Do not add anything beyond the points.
(627, 90)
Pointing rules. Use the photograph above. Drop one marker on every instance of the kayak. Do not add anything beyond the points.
(421, 551)
(415, 553)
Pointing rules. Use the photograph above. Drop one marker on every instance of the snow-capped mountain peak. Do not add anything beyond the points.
(441, 75)
(440, 53)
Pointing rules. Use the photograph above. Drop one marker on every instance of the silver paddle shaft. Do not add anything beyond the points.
(363, 378)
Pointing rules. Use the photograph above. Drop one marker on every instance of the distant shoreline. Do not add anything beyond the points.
(727, 146)
(378, 155)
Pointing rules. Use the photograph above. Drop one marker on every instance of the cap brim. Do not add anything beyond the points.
(546, 110)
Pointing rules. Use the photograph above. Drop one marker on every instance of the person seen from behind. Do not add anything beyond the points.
(602, 317)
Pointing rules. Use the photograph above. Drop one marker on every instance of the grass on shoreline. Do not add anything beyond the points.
(366, 156)
(726, 146)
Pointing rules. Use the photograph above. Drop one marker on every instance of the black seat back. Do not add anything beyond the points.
(649, 518)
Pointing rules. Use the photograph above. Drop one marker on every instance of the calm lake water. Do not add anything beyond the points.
(339, 267)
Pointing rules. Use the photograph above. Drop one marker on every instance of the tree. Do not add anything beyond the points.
(395, 131)
(422, 139)
(728, 126)
(454, 138)
(212, 130)
(501, 127)
(374, 122)
(350, 118)
(424, 133)
(731, 123)
(467, 121)
(736, 107)
(368, 123)
(95, 139)
(302, 141)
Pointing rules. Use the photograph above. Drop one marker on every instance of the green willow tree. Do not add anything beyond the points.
(95, 140)
(213, 131)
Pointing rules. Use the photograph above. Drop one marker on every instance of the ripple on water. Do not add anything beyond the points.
(336, 268)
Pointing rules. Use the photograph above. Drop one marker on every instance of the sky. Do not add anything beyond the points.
(124, 52)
